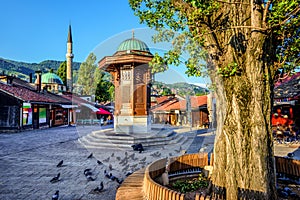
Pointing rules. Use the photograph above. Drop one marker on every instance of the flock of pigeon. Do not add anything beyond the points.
(126, 166)
(90, 176)
(88, 173)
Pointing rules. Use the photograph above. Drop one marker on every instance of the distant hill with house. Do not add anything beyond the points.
(181, 89)
(23, 69)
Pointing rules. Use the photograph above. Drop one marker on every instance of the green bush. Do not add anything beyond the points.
(185, 186)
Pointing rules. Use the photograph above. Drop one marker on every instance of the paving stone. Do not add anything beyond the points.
(28, 162)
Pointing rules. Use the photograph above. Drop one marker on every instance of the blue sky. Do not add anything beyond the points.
(36, 30)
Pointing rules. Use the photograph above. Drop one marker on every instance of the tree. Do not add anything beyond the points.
(166, 91)
(104, 89)
(89, 75)
(245, 43)
(62, 72)
(111, 91)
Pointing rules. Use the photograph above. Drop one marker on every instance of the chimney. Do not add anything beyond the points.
(30, 78)
(9, 80)
(38, 80)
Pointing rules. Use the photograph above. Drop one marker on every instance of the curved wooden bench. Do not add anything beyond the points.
(155, 191)
(287, 166)
(141, 186)
(132, 187)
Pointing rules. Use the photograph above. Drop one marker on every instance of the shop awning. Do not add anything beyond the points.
(276, 103)
(68, 106)
(93, 108)
(101, 111)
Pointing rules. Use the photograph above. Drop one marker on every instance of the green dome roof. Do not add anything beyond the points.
(51, 78)
(133, 44)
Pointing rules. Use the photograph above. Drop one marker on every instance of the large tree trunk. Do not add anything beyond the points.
(243, 153)
(244, 162)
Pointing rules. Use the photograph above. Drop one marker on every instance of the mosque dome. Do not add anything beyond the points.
(49, 78)
(133, 44)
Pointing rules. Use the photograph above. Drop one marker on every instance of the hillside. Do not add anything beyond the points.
(23, 69)
(181, 89)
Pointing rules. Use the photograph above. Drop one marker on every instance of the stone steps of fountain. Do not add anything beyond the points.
(87, 142)
(100, 139)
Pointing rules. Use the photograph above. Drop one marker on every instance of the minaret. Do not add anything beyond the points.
(69, 57)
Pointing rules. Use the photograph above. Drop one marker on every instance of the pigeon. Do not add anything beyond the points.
(144, 159)
(120, 181)
(128, 173)
(87, 172)
(134, 166)
(99, 162)
(142, 163)
(125, 168)
(134, 159)
(138, 147)
(126, 154)
(118, 158)
(106, 174)
(282, 193)
(170, 154)
(112, 155)
(110, 167)
(60, 163)
(290, 155)
(90, 178)
(55, 178)
(124, 161)
(287, 189)
(156, 154)
(106, 160)
(90, 156)
(55, 196)
(112, 177)
(131, 156)
(99, 188)
(177, 151)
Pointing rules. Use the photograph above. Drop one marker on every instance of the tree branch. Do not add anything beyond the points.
(233, 2)
(293, 12)
(266, 11)
(250, 27)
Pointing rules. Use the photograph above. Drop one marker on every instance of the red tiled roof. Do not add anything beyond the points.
(57, 98)
(25, 94)
(175, 104)
(197, 101)
(76, 99)
(287, 79)
(179, 105)
(165, 106)
(162, 99)
(288, 88)
(153, 104)
(20, 82)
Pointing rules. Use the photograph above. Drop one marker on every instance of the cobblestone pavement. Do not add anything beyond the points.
(28, 162)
